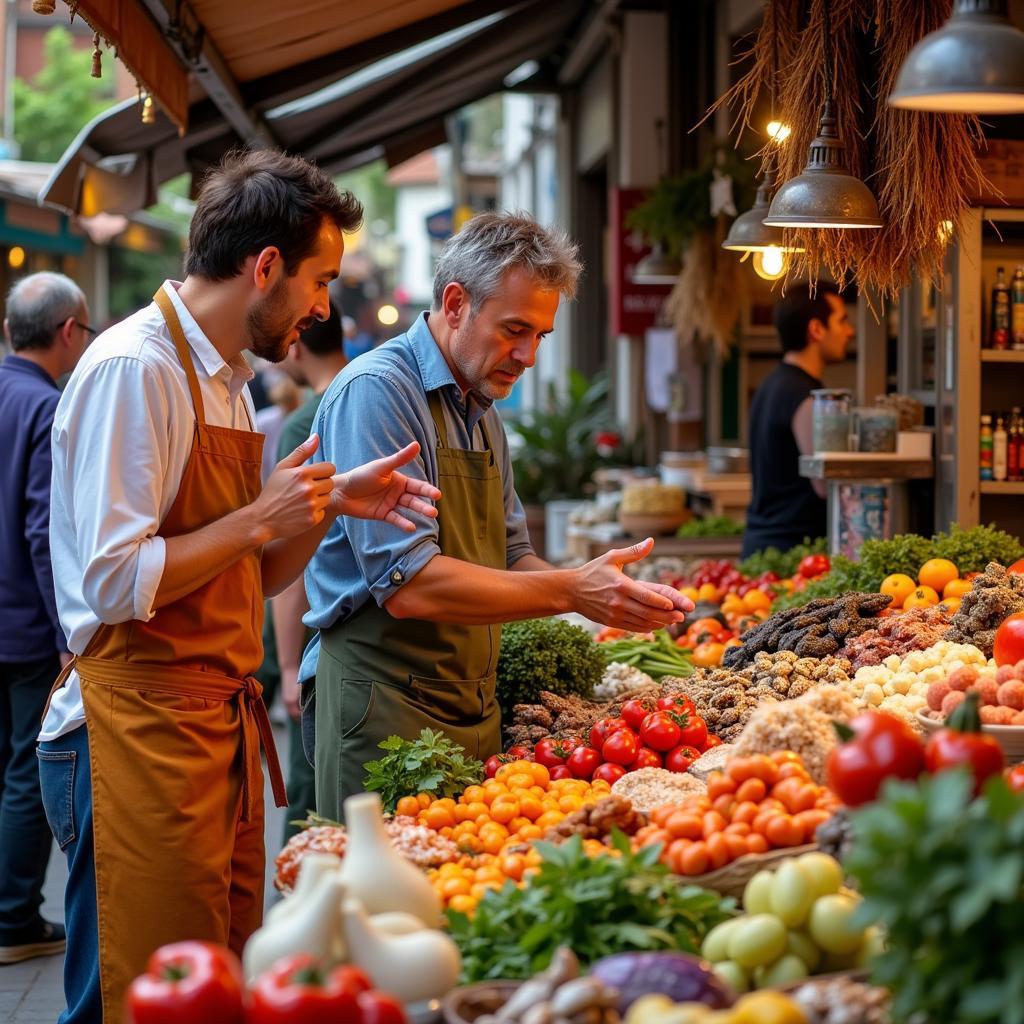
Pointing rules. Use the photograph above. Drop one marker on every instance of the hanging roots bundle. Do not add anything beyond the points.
(922, 167)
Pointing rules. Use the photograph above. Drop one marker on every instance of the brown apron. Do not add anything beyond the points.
(379, 676)
(175, 723)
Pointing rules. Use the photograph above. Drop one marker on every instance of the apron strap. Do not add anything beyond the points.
(170, 315)
(437, 414)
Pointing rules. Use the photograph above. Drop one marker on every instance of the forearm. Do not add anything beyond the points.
(450, 590)
(193, 559)
(287, 610)
(532, 563)
(285, 559)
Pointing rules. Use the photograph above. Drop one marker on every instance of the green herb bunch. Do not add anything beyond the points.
(943, 873)
(711, 526)
(972, 549)
(546, 654)
(430, 764)
(784, 563)
(595, 905)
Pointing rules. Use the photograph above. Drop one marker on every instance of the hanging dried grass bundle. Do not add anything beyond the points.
(921, 167)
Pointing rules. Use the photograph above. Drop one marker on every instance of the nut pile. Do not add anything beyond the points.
(843, 1001)
(558, 996)
(422, 846)
(994, 595)
(913, 630)
(727, 698)
(621, 682)
(598, 820)
(818, 629)
(557, 716)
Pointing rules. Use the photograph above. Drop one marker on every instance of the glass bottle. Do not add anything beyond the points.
(1015, 447)
(999, 456)
(1017, 310)
(1000, 331)
(985, 448)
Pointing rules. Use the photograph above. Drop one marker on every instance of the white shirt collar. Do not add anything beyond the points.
(213, 362)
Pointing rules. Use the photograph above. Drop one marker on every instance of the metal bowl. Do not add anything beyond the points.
(728, 460)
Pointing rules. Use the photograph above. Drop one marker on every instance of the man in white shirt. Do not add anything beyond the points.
(163, 547)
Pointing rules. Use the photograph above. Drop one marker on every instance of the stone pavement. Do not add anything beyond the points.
(32, 992)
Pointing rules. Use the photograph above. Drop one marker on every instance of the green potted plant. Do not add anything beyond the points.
(557, 453)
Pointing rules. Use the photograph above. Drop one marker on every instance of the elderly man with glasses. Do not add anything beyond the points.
(47, 327)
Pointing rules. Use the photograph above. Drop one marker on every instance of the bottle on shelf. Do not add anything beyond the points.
(999, 454)
(985, 448)
(1017, 310)
(1015, 447)
(1000, 331)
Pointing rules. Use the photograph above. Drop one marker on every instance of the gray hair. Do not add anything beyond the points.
(491, 244)
(37, 305)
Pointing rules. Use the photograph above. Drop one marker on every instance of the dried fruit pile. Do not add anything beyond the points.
(914, 630)
(818, 629)
(994, 596)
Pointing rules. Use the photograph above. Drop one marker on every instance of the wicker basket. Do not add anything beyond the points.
(464, 1004)
(732, 879)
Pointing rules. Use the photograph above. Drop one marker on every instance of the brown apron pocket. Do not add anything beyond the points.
(454, 702)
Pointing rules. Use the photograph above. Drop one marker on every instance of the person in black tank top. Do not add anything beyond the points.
(815, 331)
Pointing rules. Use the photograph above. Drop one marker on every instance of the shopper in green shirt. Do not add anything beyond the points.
(315, 361)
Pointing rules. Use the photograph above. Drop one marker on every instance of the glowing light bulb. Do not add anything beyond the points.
(387, 315)
(945, 231)
(778, 131)
(770, 264)
(15, 257)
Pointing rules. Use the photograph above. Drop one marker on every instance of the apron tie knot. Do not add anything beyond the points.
(253, 709)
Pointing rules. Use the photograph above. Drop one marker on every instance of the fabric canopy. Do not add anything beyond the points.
(385, 92)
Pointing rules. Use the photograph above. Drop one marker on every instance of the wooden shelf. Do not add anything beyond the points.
(993, 355)
(1001, 487)
(1003, 213)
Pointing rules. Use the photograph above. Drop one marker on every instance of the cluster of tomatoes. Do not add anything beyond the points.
(759, 803)
(663, 733)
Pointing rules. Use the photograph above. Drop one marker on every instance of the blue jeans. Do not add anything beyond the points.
(67, 796)
(24, 837)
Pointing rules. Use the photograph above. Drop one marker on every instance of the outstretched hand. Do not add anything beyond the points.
(377, 490)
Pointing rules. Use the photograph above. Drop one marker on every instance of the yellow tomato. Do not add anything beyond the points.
(937, 573)
(956, 588)
(899, 587)
(922, 597)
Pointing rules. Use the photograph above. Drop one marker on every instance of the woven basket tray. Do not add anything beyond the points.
(732, 879)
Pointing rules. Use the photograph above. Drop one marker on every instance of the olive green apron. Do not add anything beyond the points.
(379, 676)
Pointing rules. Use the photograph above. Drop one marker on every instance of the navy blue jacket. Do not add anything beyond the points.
(29, 628)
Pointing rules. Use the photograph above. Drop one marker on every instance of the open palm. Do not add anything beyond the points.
(377, 490)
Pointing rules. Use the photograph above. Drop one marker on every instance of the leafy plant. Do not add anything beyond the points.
(784, 563)
(558, 452)
(711, 526)
(943, 873)
(546, 654)
(972, 549)
(595, 905)
(430, 764)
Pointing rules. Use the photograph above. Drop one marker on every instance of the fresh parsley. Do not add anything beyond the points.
(595, 905)
(943, 873)
(430, 764)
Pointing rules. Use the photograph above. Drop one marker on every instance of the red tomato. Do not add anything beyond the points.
(1009, 645)
(635, 711)
(1017, 566)
(712, 741)
(379, 1008)
(572, 742)
(680, 759)
(562, 771)
(194, 981)
(1015, 778)
(621, 747)
(962, 743)
(583, 761)
(551, 752)
(814, 565)
(646, 758)
(493, 763)
(611, 773)
(676, 702)
(877, 746)
(603, 728)
(693, 732)
(299, 988)
(661, 731)
(519, 753)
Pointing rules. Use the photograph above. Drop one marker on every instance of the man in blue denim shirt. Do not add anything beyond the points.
(47, 325)
(410, 627)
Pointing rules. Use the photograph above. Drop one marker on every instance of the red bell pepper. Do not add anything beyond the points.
(300, 990)
(962, 742)
(197, 982)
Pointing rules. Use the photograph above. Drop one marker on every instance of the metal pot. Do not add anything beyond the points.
(728, 460)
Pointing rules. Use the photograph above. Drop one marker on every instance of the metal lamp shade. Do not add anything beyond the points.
(749, 233)
(974, 64)
(825, 195)
(656, 268)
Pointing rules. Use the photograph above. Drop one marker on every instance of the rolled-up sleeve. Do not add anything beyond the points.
(115, 456)
(368, 419)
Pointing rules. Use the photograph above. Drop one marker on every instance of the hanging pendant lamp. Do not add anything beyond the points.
(974, 64)
(657, 267)
(825, 194)
(749, 233)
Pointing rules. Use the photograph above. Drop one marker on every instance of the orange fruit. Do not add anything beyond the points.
(956, 588)
(757, 600)
(437, 817)
(950, 603)
(708, 592)
(692, 593)
(899, 587)
(463, 904)
(409, 806)
(937, 573)
(922, 597)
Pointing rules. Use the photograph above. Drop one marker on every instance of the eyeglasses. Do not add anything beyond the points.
(91, 331)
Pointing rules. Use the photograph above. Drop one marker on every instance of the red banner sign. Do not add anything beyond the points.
(634, 307)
